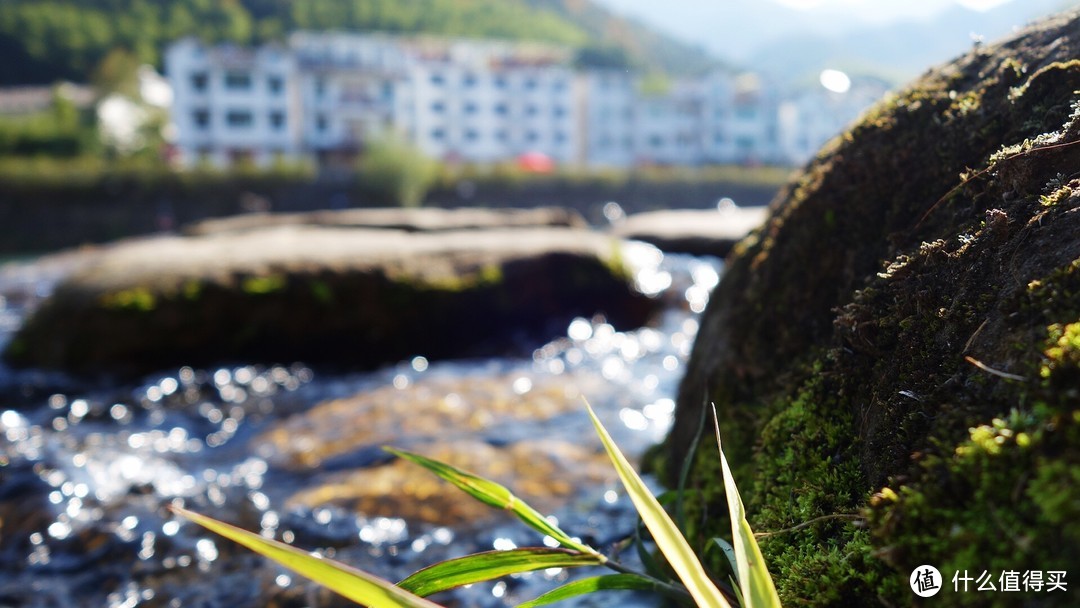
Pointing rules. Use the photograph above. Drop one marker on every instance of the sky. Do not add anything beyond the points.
(733, 29)
(888, 10)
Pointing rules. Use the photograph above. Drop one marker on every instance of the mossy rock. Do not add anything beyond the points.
(348, 296)
(894, 355)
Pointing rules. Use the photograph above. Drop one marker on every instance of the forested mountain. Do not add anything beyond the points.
(46, 40)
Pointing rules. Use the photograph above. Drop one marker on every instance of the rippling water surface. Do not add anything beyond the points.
(87, 472)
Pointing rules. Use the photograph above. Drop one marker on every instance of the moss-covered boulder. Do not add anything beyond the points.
(894, 355)
(350, 296)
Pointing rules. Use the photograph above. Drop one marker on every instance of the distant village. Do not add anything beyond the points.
(324, 96)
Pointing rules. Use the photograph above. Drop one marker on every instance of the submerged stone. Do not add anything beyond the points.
(692, 231)
(893, 353)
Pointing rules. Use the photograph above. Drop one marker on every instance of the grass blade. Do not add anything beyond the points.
(495, 495)
(608, 582)
(664, 532)
(755, 582)
(688, 463)
(729, 553)
(351, 583)
(490, 565)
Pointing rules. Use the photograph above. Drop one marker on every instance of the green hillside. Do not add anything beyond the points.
(47, 40)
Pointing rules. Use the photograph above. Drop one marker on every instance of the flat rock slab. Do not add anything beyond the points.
(697, 232)
(354, 296)
(409, 220)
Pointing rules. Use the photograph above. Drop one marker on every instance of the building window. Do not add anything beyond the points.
(560, 137)
(532, 137)
(239, 118)
(469, 81)
(718, 138)
(321, 123)
(530, 84)
(275, 84)
(438, 107)
(501, 135)
(199, 80)
(277, 120)
(201, 117)
(656, 141)
(237, 81)
(500, 82)
(531, 110)
(501, 109)
(559, 86)
(470, 107)
(559, 111)
(320, 88)
(438, 134)
(438, 80)
(471, 135)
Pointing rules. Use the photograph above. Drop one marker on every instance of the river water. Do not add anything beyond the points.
(87, 469)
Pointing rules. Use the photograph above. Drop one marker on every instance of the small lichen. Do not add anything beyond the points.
(137, 298)
(262, 285)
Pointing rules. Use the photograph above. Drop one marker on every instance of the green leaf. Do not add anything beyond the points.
(647, 559)
(729, 553)
(354, 584)
(493, 564)
(664, 532)
(755, 582)
(608, 582)
(495, 495)
(684, 471)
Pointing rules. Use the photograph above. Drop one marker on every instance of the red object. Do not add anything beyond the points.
(536, 162)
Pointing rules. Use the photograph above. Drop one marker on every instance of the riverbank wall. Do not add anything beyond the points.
(42, 214)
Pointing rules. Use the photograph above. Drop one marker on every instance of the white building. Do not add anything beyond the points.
(233, 104)
(480, 103)
(609, 117)
(742, 122)
(326, 95)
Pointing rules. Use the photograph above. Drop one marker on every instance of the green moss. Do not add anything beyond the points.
(321, 291)
(262, 285)
(1062, 355)
(1056, 197)
(1007, 498)
(804, 468)
(485, 276)
(137, 299)
(807, 468)
(192, 289)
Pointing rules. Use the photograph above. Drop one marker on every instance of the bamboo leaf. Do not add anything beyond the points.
(495, 495)
(608, 582)
(493, 564)
(755, 582)
(664, 532)
(353, 584)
